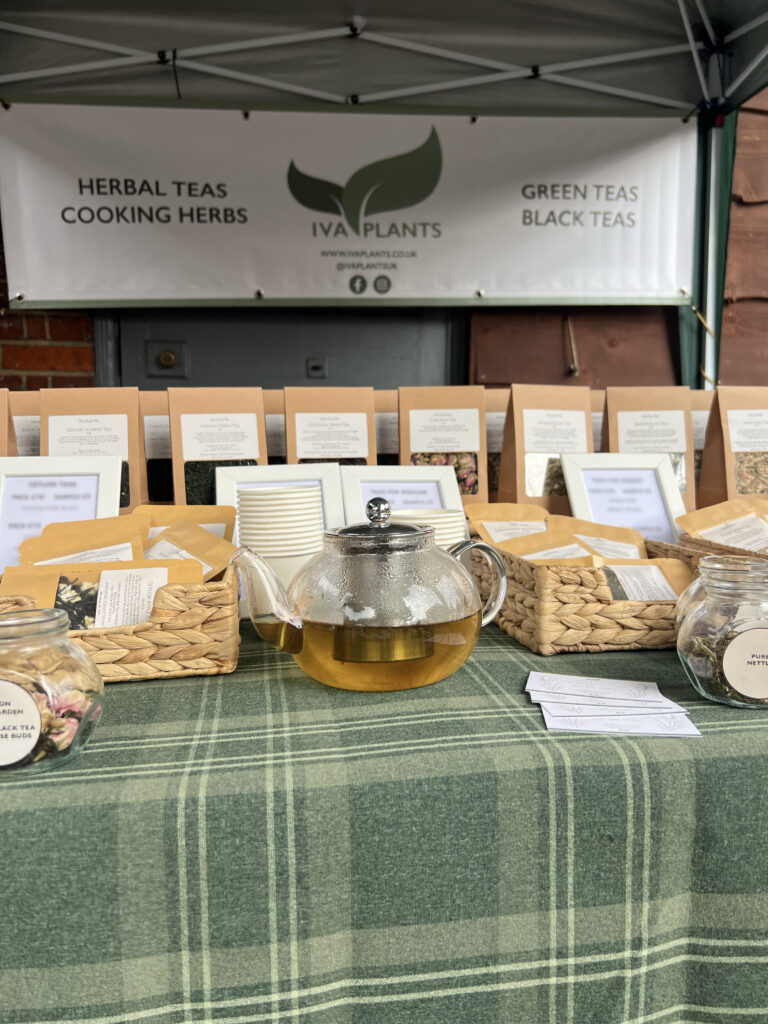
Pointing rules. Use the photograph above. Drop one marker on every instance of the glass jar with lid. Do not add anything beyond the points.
(722, 640)
(51, 692)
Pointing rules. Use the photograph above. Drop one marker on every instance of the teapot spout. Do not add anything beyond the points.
(271, 611)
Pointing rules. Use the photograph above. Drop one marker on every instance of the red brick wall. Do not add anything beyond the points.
(44, 349)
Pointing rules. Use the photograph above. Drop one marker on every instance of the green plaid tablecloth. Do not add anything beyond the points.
(260, 848)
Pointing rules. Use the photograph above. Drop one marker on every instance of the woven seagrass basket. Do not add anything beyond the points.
(557, 609)
(194, 630)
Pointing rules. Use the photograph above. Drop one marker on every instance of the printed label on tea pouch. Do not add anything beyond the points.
(326, 435)
(554, 430)
(275, 427)
(699, 420)
(745, 663)
(748, 429)
(444, 430)
(494, 430)
(20, 722)
(651, 430)
(749, 532)
(27, 434)
(98, 434)
(157, 437)
(387, 433)
(206, 437)
(508, 529)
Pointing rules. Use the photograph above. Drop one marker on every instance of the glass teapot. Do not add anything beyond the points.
(379, 608)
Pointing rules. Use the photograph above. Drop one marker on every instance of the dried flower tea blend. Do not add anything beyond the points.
(445, 426)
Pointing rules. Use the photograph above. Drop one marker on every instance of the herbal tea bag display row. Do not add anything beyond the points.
(738, 523)
(542, 423)
(647, 420)
(445, 426)
(330, 425)
(735, 458)
(99, 595)
(97, 421)
(213, 427)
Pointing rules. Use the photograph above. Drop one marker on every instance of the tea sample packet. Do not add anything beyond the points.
(653, 579)
(738, 523)
(213, 427)
(647, 420)
(597, 405)
(187, 540)
(608, 541)
(701, 405)
(542, 424)
(274, 422)
(501, 520)
(330, 425)
(97, 421)
(116, 539)
(387, 427)
(445, 426)
(24, 438)
(217, 519)
(735, 457)
(551, 545)
(496, 404)
(98, 595)
(153, 407)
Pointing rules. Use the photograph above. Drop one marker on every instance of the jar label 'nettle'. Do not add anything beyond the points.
(20, 722)
(745, 663)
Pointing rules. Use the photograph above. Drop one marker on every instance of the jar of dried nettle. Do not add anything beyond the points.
(51, 692)
(722, 635)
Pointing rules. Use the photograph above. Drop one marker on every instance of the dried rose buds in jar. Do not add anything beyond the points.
(51, 692)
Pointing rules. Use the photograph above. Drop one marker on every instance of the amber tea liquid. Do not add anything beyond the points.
(384, 657)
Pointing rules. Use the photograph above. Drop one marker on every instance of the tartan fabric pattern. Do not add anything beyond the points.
(260, 848)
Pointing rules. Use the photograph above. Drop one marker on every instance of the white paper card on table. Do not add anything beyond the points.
(595, 686)
(642, 582)
(748, 429)
(500, 530)
(663, 704)
(126, 596)
(444, 430)
(558, 709)
(27, 430)
(651, 430)
(113, 553)
(387, 433)
(32, 502)
(749, 532)
(554, 430)
(221, 435)
(610, 548)
(636, 725)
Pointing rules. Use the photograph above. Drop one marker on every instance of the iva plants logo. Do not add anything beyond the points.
(381, 187)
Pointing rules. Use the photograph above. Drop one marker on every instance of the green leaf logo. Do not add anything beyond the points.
(391, 184)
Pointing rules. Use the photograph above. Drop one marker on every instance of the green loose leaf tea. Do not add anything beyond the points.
(200, 479)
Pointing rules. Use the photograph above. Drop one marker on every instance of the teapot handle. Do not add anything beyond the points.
(497, 567)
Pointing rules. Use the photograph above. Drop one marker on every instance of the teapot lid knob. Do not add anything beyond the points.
(378, 511)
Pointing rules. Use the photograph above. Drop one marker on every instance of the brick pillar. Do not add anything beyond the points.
(44, 349)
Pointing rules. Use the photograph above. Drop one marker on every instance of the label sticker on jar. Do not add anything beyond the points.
(745, 661)
(20, 722)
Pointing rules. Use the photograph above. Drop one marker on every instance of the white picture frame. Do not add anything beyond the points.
(357, 489)
(21, 517)
(326, 474)
(653, 512)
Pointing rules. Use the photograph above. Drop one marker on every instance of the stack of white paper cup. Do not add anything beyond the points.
(282, 524)
(450, 525)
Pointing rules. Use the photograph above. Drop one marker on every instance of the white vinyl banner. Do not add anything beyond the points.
(104, 204)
